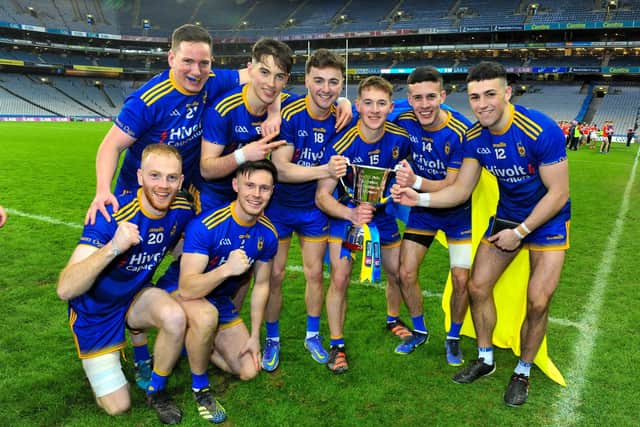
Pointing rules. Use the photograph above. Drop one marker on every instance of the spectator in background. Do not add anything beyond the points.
(630, 135)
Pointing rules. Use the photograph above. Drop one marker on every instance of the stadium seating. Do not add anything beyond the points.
(621, 105)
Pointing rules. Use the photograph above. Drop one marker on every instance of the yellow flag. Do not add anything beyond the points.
(510, 292)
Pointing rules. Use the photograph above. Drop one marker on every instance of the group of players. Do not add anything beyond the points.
(211, 131)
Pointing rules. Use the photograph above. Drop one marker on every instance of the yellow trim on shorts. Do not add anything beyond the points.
(231, 324)
(313, 239)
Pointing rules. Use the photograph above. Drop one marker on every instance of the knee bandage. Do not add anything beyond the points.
(460, 255)
(104, 373)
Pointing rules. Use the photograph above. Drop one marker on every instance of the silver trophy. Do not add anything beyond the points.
(369, 184)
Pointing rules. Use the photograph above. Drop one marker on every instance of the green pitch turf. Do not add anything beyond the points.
(47, 180)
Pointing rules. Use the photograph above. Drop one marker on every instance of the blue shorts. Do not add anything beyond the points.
(227, 312)
(228, 315)
(169, 280)
(208, 200)
(98, 334)
(456, 224)
(551, 236)
(311, 224)
(387, 227)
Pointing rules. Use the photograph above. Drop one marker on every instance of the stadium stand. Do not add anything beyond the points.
(559, 101)
(621, 105)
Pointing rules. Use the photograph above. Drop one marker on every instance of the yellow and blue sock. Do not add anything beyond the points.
(158, 381)
(337, 341)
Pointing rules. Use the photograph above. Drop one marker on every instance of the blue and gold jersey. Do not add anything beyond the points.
(393, 146)
(514, 155)
(438, 150)
(161, 111)
(308, 135)
(132, 270)
(232, 124)
(215, 233)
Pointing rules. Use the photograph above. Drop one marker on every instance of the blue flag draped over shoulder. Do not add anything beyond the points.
(510, 292)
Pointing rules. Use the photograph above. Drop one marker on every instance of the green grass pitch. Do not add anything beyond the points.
(47, 181)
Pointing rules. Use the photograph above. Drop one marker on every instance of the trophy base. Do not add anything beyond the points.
(355, 238)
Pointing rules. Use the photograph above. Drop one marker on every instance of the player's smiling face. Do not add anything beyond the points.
(425, 99)
(191, 65)
(374, 105)
(489, 101)
(254, 192)
(324, 86)
(267, 79)
(160, 176)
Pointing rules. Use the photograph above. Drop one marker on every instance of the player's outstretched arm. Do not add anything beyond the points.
(259, 298)
(87, 262)
(114, 143)
(406, 177)
(293, 173)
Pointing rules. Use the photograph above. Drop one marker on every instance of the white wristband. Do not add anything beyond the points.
(424, 199)
(239, 156)
(418, 184)
(517, 233)
(525, 228)
(114, 249)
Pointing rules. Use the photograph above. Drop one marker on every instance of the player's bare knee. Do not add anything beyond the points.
(248, 372)
(478, 290)
(538, 307)
(277, 277)
(173, 320)
(314, 275)
(115, 406)
(459, 279)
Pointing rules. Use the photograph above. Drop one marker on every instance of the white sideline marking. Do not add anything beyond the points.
(565, 412)
(296, 268)
(42, 218)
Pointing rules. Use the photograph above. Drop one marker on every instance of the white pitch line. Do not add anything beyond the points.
(571, 398)
(295, 268)
(42, 218)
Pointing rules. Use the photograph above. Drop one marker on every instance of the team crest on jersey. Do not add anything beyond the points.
(192, 105)
(260, 243)
(395, 153)
(173, 230)
(447, 148)
(521, 151)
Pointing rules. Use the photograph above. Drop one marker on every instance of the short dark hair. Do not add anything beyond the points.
(486, 70)
(247, 168)
(282, 54)
(376, 82)
(425, 74)
(190, 33)
(324, 58)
